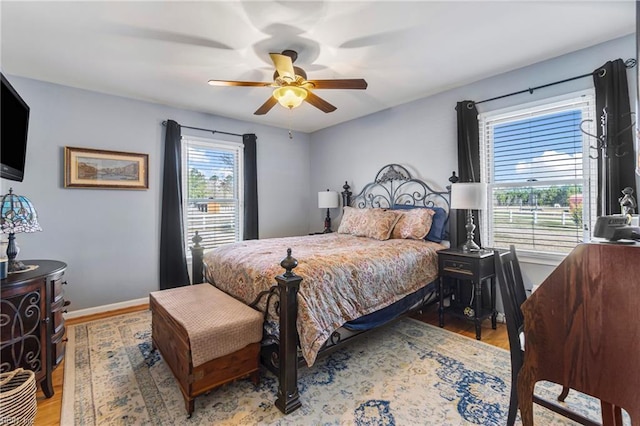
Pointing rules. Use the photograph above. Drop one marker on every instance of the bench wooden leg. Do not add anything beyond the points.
(255, 377)
(189, 405)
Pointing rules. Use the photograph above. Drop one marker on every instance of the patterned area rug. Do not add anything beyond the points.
(404, 374)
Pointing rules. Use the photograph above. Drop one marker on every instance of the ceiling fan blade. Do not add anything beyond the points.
(164, 35)
(266, 107)
(352, 83)
(318, 102)
(283, 65)
(240, 83)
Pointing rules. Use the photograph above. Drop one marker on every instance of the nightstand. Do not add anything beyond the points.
(470, 268)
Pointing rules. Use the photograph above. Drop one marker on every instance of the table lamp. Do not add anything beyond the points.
(328, 200)
(17, 215)
(469, 196)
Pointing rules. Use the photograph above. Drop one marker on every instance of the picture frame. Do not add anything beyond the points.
(97, 168)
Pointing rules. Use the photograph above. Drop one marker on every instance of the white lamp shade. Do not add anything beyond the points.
(328, 200)
(471, 195)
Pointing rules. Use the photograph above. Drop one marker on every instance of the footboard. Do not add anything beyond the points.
(281, 355)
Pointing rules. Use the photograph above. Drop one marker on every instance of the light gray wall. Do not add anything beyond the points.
(110, 238)
(423, 135)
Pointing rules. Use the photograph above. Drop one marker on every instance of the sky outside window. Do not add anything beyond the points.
(547, 147)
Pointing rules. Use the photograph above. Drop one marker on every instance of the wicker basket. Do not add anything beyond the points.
(18, 403)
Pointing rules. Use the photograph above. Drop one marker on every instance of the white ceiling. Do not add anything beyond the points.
(165, 52)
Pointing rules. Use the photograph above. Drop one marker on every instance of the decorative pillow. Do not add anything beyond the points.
(414, 224)
(350, 219)
(372, 223)
(438, 231)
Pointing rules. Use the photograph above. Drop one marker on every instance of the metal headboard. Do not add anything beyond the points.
(394, 185)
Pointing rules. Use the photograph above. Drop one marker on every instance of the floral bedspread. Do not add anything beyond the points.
(344, 277)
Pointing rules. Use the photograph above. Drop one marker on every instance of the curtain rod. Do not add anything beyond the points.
(629, 63)
(164, 123)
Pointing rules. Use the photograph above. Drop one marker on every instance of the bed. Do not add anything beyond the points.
(338, 286)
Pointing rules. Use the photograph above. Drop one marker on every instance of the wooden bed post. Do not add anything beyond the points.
(346, 194)
(453, 220)
(288, 283)
(196, 260)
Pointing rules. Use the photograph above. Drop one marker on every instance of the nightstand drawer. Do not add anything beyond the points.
(457, 267)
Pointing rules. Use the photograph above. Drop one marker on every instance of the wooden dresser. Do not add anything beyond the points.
(31, 321)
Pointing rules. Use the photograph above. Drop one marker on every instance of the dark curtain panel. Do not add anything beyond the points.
(468, 165)
(250, 188)
(616, 166)
(173, 259)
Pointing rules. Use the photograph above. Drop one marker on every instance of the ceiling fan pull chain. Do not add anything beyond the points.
(290, 122)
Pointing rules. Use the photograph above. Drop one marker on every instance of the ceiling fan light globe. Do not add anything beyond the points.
(290, 96)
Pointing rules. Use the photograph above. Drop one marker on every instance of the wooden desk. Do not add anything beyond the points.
(582, 330)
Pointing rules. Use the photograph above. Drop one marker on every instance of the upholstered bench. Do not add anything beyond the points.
(207, 337)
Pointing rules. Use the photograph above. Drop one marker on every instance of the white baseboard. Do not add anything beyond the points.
(106, 308)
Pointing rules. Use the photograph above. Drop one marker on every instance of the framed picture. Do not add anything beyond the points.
(95, 168)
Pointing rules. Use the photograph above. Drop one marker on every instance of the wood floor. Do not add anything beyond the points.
(49, 409)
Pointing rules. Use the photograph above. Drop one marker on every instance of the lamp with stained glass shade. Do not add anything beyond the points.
(17, 215)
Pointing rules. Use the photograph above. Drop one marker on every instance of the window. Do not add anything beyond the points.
(212, 185)
(541, 179)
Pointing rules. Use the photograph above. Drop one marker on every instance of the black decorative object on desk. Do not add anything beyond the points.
(627, 202)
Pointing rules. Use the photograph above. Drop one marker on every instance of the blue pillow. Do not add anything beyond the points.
(438, 231)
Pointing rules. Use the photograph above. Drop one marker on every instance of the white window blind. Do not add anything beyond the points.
(212, 182)
(541, 179)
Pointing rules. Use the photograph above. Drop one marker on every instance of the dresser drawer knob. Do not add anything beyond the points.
(64, 283)
(66, 303)
(65, 311)
(46, 320)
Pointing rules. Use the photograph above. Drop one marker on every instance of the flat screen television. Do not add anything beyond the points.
(14, 124)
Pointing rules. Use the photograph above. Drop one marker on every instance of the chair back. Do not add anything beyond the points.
(513, 294)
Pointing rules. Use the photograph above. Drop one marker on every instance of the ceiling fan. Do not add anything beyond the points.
(292, 87)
